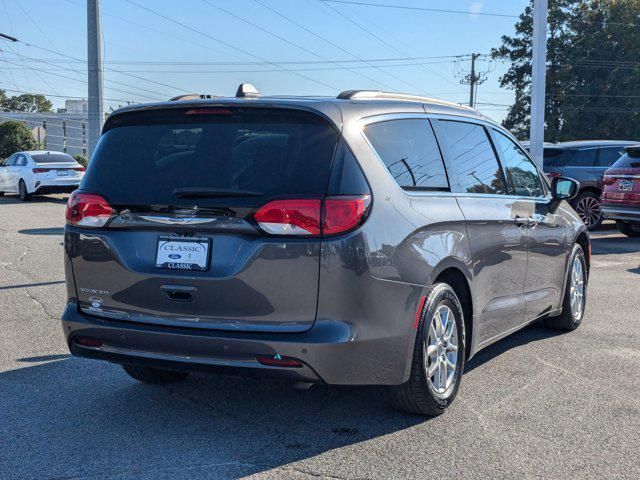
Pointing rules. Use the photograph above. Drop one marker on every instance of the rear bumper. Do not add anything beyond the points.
(628, 213)
(47, 189)
(330, 351)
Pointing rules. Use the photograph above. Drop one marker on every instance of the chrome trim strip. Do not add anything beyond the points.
(177, 220)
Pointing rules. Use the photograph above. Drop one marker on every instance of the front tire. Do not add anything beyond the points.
(24, 195)
(155, 376)
(630, 229)
(587, 206)
(575, 294)
(438, 356)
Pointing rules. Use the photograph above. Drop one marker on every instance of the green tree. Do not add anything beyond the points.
(27, 102)
(593, 91)
(14, 137)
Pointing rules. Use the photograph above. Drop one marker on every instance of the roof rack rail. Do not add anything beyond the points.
(191, 96)
(377, 94)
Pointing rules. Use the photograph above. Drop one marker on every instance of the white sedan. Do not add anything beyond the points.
(39, 173)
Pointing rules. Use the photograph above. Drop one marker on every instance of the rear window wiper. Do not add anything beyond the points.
(194, 192)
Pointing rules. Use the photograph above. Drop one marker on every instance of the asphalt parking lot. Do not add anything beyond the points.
(536, 405)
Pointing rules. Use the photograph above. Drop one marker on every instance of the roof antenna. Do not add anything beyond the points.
(246, 90)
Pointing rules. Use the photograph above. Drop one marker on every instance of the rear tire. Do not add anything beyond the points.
(425, 394)
(587, 206)
(22, 192)
(630, 229)
(155, 376)
(572, 313)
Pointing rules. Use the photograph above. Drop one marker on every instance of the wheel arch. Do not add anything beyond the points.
(456, 275)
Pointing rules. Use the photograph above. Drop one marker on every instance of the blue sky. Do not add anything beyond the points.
(148, 57)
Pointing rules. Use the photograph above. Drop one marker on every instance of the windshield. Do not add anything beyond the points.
(146, 159)
(53, 157)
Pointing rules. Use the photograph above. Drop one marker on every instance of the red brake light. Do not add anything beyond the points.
(607, 180)
(312, 216)
(208, 111)
(343, 213)
(290, 217)
(554, 174)
(41, 170)
(88, 210)
(80, 169)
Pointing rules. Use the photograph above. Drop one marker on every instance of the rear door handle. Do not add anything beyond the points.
(179, 293)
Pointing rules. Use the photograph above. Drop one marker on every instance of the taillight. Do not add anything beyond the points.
(343, 213)
(41, 170)
(290, 217)
(312, 217)
(80, 169)
(607, 180)
(88, 210)
(553, 174)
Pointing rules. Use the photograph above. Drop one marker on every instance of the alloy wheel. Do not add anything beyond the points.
(576, 289)
(441, 350)
(588, 208)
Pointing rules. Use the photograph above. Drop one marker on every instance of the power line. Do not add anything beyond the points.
(423, 9)
(384, 42)
(281, 38)
(268, 62)
(247, 53)
(72, 97)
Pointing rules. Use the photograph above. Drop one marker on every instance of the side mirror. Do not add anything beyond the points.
(563, 188)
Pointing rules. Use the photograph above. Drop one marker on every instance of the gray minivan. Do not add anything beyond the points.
(368, 239)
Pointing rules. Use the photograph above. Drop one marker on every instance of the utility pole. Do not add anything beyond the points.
(94, 67)
(538, 79)
(473, 79)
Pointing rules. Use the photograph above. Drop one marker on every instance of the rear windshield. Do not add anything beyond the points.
(628, 160)
(53, 157)
(145, 156)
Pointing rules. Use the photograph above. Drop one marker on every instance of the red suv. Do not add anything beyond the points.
(620, 200)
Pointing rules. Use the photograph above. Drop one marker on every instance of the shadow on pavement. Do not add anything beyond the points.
(42, 231)
(9, 199)
(614, 245)
(79, 417)
(29, 285)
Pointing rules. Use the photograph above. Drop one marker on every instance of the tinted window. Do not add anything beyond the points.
(52, 157)
(21, 161)
(628, 160)
(144, 156)
(409, 150)
(10, 161)
(470, 158)
(583, 158)
(607, 156)
(556, 156)
(519, 169)
(346, 176)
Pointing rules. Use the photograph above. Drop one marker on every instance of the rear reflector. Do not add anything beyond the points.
(278, 361)
(313, 217)
(88, 342)
(88, 210)
(419, 312)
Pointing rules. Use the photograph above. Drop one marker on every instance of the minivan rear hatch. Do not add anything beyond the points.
(186, 183)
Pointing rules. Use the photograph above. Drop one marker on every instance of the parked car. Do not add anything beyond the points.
(39, 173)
(621, 192)
(368, 239)
(586, 162)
